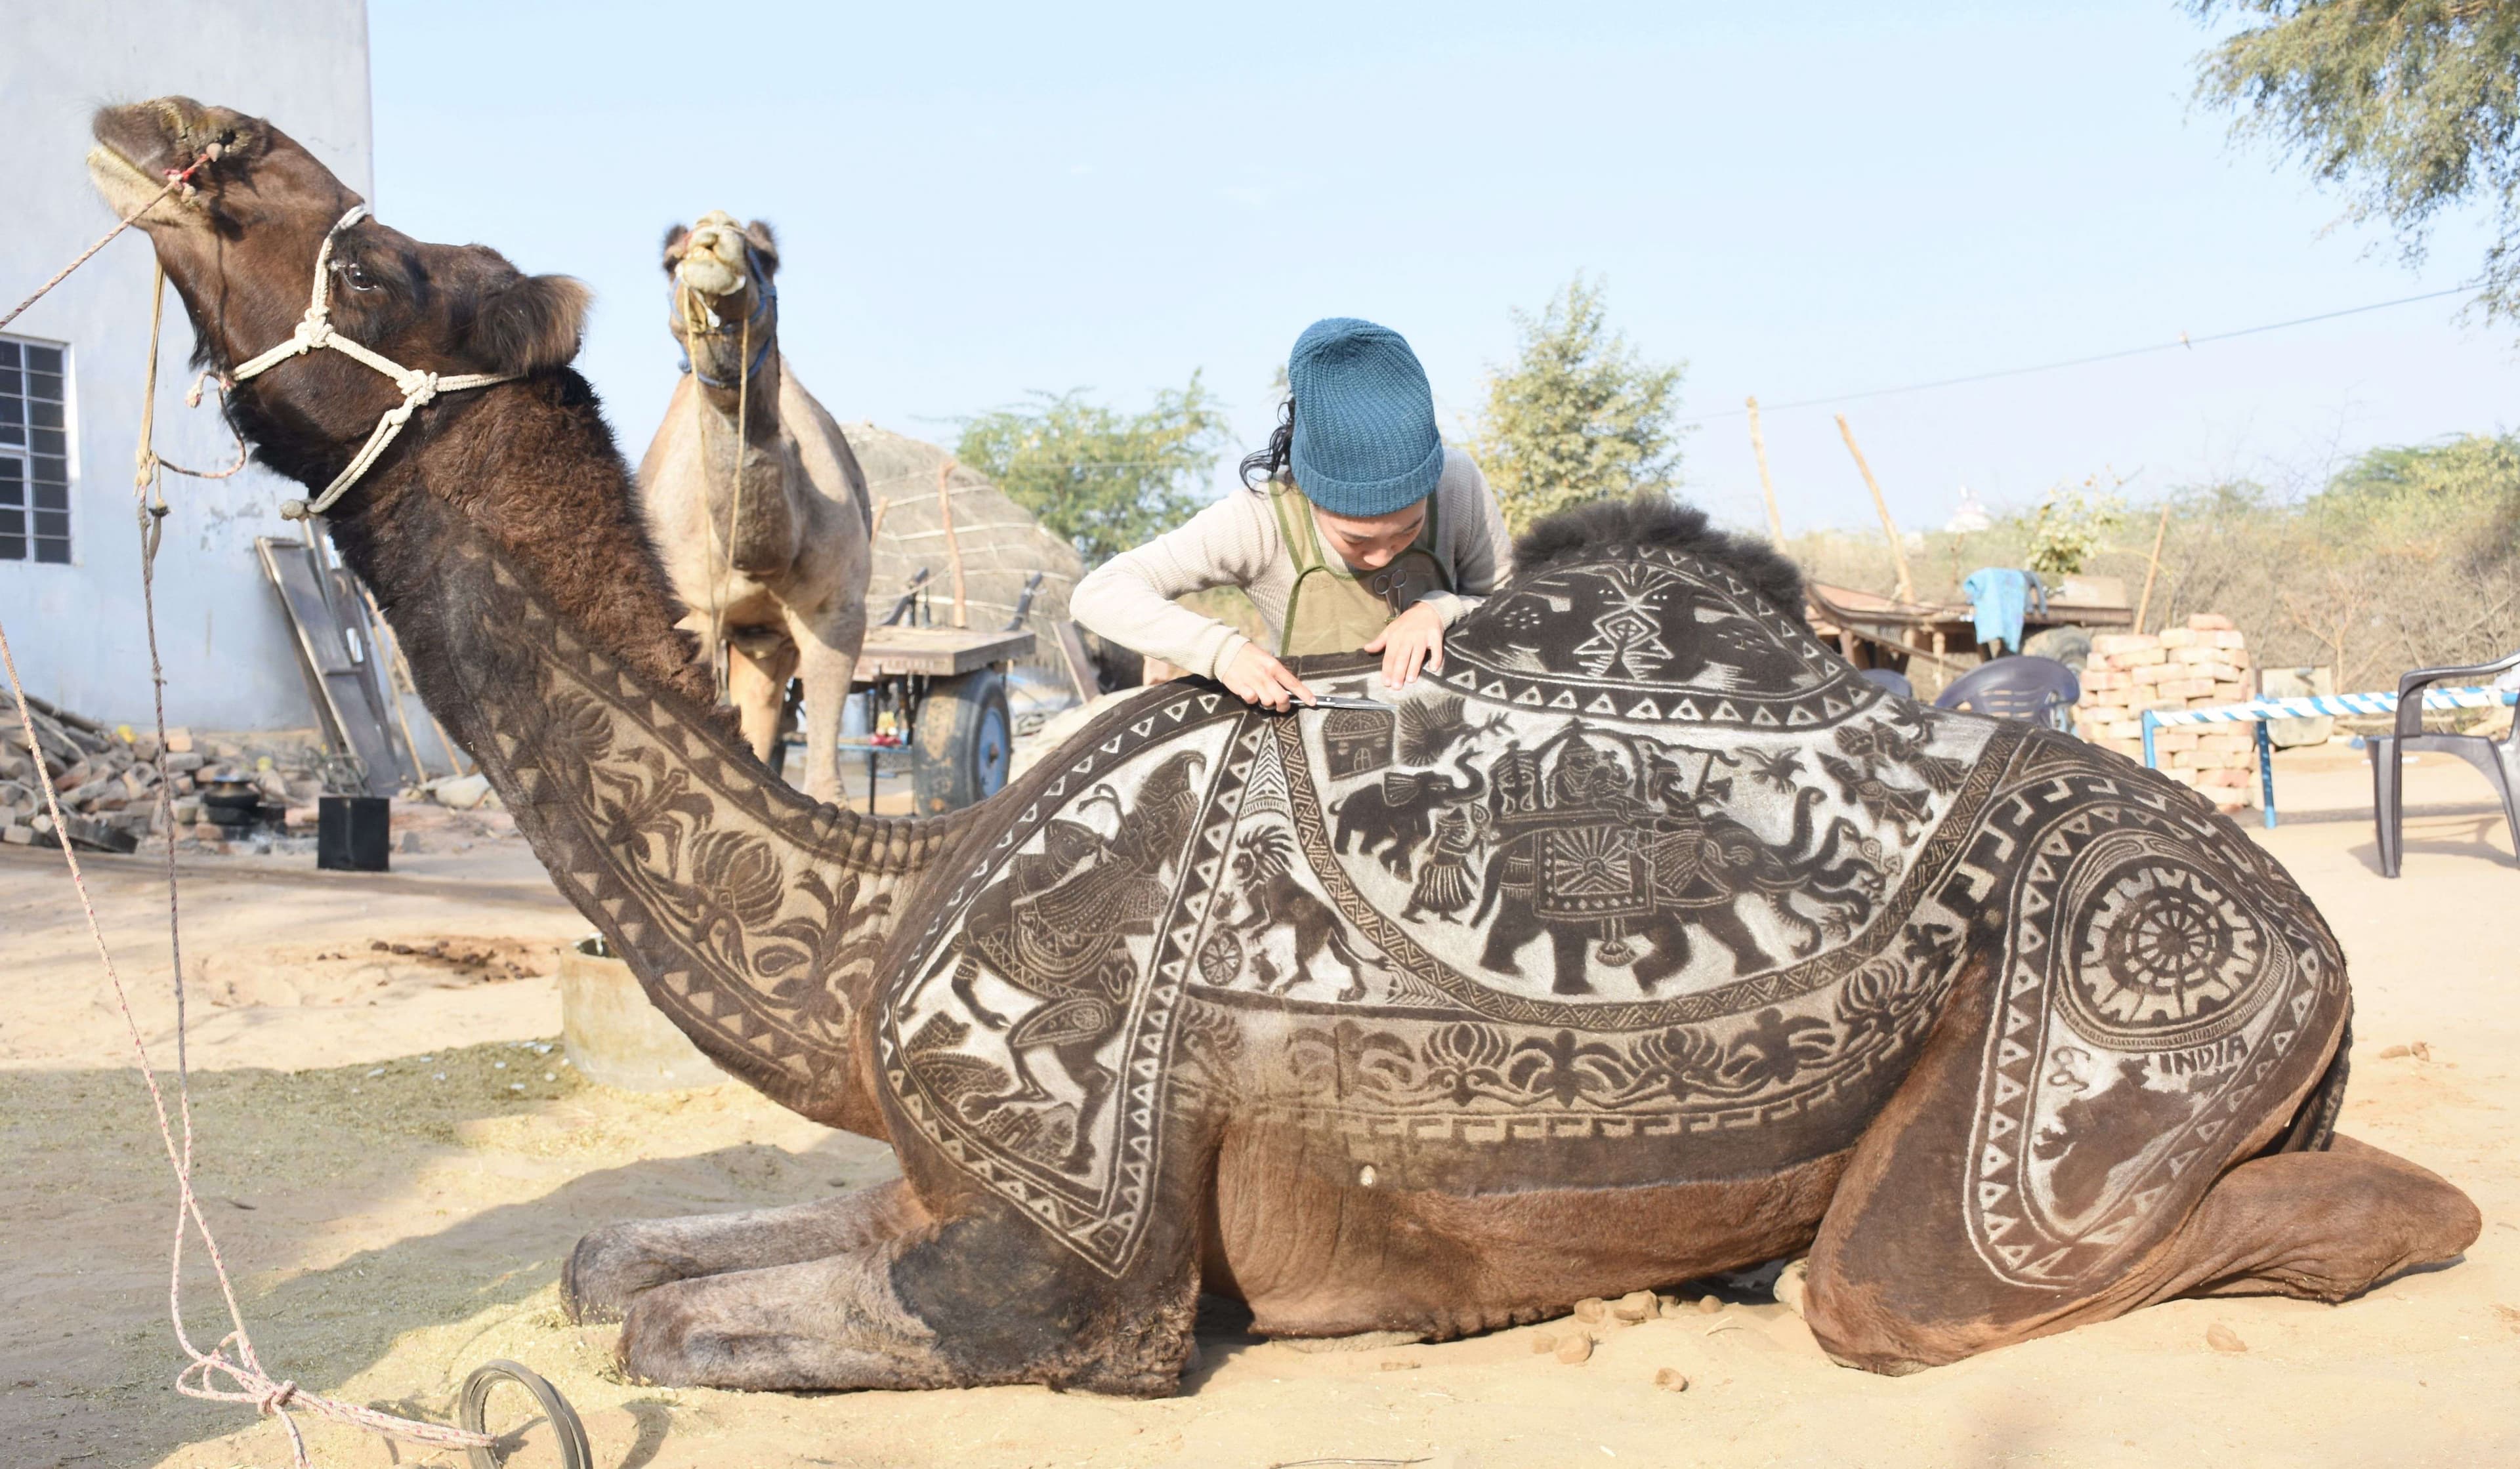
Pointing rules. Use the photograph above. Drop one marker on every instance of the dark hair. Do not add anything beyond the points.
(1590, 532)
(1271, 461)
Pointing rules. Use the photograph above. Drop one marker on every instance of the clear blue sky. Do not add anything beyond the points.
(1799, 202)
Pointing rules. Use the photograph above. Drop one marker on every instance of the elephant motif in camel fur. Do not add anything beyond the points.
(2008, 1034)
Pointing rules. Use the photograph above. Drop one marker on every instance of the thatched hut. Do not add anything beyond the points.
(997, 543)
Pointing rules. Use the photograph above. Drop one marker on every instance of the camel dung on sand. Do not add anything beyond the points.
(2010, 1035)
(763, 529)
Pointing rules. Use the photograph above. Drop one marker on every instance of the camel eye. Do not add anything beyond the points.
(356, 274)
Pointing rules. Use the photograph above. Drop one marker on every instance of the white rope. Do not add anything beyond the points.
(314, 332)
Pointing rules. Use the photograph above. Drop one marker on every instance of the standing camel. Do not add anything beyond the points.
(769, 565)
(2063, 1045)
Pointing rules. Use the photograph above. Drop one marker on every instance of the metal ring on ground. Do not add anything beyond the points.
(472, 1411)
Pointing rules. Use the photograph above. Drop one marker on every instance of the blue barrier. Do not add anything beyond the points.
(2258, 711)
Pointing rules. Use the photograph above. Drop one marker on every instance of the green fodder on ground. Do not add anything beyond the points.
(387, 1225)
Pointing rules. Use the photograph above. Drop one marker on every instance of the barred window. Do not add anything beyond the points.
(35, 453)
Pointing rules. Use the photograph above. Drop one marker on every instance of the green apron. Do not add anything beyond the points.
(1333, 609)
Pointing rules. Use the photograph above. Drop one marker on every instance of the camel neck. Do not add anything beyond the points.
(755, 513)
(759, 395)
(540, 634)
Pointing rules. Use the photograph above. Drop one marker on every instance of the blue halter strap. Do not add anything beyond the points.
(765, 294)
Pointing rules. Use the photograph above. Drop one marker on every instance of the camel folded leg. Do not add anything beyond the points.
(613, 1266)
(2321, 1227)
(832, 1324)
(2318, 1227)
(1906, 1275)
(979, 1300)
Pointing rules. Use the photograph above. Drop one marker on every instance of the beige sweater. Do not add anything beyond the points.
(1236, 543)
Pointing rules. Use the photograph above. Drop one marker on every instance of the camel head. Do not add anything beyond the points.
(241, 245)
(722, 274)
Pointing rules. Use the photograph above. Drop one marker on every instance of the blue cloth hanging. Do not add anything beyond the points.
(2001, 598)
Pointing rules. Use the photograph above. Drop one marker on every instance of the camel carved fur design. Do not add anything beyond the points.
(2067, 1044)
(765, 530)
(1394, 816)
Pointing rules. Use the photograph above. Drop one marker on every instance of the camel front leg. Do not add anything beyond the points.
(829, 1324)
(975, 1301)
(613, 1265)
(757, 686)
(828, 663)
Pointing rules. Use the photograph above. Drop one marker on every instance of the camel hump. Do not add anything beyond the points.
(1643, 613)
(1608, 527)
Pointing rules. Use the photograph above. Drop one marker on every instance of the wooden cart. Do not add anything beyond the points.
(1874, 631)
(946, 687)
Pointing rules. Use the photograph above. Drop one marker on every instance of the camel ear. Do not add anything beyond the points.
(765, 246)
(678, 238)
(529, 324)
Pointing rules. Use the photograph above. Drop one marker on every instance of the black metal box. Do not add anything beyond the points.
(353, 833)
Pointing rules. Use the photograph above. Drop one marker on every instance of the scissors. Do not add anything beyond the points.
(1348, 701)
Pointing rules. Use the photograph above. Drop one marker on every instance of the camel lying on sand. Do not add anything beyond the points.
(774, 566)
(1726, 955)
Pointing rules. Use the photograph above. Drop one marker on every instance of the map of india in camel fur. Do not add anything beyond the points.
(1644, 940)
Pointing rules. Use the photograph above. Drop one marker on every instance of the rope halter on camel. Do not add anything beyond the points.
(314, 332)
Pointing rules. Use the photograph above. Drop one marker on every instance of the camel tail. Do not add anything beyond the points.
(2313, 1126)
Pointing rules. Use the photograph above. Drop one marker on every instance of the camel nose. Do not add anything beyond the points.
(714, 257)
(146, 134)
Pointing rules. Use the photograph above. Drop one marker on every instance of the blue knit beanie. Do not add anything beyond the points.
(1365, 419)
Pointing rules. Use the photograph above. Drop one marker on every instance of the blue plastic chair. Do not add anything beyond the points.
(1890, 679)
(2034, 690)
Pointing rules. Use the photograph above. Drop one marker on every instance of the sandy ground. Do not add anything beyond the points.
(396, 1166)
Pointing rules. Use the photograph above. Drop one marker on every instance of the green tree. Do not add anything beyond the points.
(2068, 527)
(2423, 488)
(1104, 478)
(1579, 415)
(2410, 107)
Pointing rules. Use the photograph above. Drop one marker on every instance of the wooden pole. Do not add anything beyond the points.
(1767, 485)
(1889, 528)
(2151, 569)
(953, 548)
(398, 668)
(392, 674)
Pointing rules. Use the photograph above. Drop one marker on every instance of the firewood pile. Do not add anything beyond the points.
(108, 781)
(2197, 666)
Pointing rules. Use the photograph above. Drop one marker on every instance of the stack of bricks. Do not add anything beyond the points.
(2197, 666)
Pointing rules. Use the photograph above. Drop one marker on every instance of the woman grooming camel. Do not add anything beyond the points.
(1364, 531)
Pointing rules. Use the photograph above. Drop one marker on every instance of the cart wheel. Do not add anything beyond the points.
(961, 744)
(552, 1436)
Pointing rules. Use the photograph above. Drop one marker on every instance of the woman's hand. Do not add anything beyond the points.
(1411, 641)
(1256, 678)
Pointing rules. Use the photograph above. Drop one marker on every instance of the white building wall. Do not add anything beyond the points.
(76, 630)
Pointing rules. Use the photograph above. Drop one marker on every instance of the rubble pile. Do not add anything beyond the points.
(109, 779)
(2197, 666)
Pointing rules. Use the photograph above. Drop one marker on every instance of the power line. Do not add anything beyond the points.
(2184, 340)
